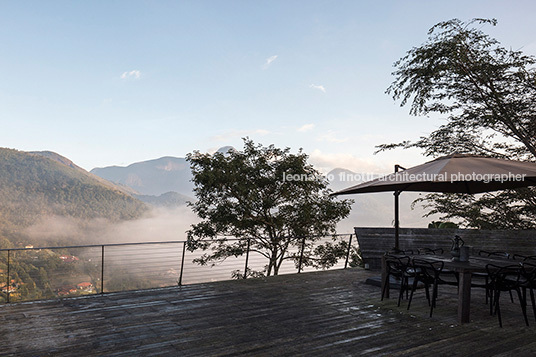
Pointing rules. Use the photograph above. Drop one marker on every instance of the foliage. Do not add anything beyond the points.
(440, 224)
(487, 93)
(328, 254)
(507, 209)
(122, 279)
(266, 194)
(32, 186)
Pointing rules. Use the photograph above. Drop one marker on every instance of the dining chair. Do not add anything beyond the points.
(493, 254)
(428, 273)
(438, 251)
(484, 275)
(398, 268)
(505, 278)
(528, 272)
(524, 257)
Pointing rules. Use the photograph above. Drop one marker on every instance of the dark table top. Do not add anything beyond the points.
(476, 264)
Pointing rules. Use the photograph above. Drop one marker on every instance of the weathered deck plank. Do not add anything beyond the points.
(323, 313)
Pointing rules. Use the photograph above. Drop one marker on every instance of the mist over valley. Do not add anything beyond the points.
(49, 200)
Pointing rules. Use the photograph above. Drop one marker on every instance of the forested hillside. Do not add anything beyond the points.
(33, 186)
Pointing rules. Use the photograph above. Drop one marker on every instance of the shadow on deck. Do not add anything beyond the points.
(322, 313)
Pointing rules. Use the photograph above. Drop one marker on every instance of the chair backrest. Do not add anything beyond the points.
(437, 251)
(524, 257)
(528, 271)
(399, 252)
(504, 276)
(396, 265)
(487, 254)
(428, 269)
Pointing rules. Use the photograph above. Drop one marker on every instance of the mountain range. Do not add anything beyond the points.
(34, 185)
(154, 178)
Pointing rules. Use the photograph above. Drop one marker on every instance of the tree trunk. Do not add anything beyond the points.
(273, 261)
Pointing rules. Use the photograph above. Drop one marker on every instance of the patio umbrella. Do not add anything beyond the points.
(451, 174)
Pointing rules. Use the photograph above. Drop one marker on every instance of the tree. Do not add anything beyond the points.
(487, 93)
(265, 194)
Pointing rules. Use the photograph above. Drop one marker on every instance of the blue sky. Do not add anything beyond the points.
(116, 82)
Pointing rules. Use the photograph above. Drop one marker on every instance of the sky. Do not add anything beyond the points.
(116, 82)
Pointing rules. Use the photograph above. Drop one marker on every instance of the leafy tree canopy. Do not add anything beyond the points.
(487, 93)
(266, 194)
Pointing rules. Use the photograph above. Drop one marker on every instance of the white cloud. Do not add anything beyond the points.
(134, 74)
(225, 137)
(269, 61)
(331, 137)
(319, 87)
(306, 127)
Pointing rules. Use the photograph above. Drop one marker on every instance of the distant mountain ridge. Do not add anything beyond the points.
(57, 157)
(152, 177)
(155, 179)
(67, 162)
(38, 184)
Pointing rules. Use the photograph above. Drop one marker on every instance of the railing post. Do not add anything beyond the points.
(8, 281)
(247, 259)
(301, 255)
(348, 251)
(182, 262)
(102, 271)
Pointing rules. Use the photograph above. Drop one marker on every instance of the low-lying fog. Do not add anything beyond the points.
(159, 224)
(170, 224)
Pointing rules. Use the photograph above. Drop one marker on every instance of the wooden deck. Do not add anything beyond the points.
(329, 313)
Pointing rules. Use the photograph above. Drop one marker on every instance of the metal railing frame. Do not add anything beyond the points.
(102, 247)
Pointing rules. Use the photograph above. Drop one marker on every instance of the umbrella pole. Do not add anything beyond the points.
(397, 213)
(397, 222)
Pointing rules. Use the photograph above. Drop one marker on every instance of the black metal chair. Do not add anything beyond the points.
(484, 276)
(488, 254)
(398, 268)
(528, 272)
(437, 251)
(428, 273)
(505, 278)
(520, 257)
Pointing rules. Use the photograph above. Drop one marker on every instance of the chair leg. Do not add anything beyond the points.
(413, 288)
(523, 304)
(401, 293)
(427, 289)
(487, 290)
(434, 297)
(511, 296)
(533, 302)
(491, 293)
(385, 285)
(407, 287)
(498, 307)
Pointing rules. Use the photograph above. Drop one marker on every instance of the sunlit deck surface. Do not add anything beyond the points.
(323, 313)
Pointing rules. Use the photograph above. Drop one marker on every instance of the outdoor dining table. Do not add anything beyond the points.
(465, 270)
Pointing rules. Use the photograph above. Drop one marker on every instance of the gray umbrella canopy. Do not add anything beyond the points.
(454, 174)
(451, 174)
